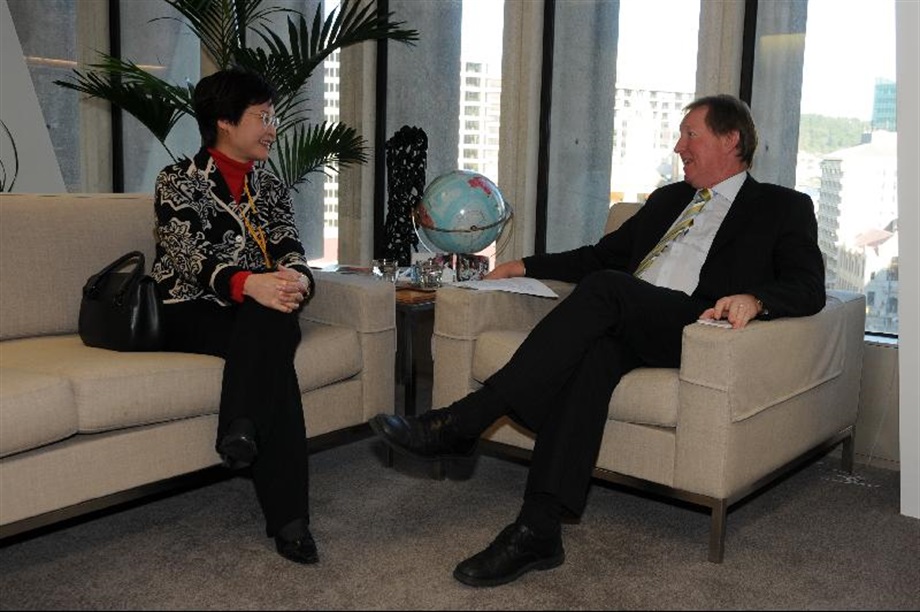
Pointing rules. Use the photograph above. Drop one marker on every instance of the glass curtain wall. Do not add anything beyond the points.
(47, 31)
(331, 82)
(481, 93)
(308, 197)
(844, 133)
(655, 80)
(617, 101)
(481, 86)
(169, 50)
(423, 84)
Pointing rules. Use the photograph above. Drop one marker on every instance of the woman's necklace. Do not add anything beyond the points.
(258, 235)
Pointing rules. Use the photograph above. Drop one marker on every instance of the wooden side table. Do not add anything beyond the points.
(410, 304)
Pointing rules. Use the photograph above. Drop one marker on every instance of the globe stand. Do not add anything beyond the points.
(461, 213)
(466, 266)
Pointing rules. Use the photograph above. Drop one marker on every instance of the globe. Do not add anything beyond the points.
(461, 212)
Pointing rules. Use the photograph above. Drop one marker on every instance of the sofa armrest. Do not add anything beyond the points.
(351, 300)
(368, 306)
(753, 399)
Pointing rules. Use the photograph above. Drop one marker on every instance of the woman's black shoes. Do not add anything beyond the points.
(299, 550)
(237, 448)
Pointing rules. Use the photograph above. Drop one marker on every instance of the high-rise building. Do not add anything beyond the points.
(857, 224)
(480, 110)
(885, 105)
(646, 128)
(331, 115)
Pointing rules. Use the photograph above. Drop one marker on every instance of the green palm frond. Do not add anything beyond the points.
(221, 24)
(306, 149)
(221, 27)
(295, 60)
(277, 69)
(152, 101)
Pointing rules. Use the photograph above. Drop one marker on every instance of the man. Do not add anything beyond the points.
(718, 245)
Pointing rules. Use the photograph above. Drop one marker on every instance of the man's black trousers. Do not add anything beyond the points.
(559, 382)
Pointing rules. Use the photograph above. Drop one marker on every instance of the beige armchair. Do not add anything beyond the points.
(745, 407)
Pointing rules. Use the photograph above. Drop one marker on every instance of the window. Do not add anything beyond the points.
(846, 139)
(170, 51)
(624, 80)
(609, 82)
(460, 38)
(47, 32)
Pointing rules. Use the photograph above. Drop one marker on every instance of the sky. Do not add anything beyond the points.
(481, 33)
(848, 44)
(844, 38)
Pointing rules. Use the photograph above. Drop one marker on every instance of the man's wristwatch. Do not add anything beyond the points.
(761, 309)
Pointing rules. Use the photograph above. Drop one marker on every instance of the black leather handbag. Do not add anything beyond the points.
(120, 310)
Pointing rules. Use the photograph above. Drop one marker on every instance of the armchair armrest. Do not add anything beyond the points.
(368, 306)
(462, 315)
(753, 399)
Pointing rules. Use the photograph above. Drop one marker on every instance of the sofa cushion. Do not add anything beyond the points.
(326, 355)
(113, 390)
(646, 396)
(35, 409)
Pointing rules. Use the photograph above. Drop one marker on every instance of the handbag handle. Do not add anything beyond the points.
(91, 289)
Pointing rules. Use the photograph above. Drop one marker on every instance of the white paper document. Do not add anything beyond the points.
(715, 322)
(528, 286)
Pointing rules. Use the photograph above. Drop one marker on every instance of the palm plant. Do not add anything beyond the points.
(222, 27)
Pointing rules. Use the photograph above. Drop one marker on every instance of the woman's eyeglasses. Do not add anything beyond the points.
(267, 119)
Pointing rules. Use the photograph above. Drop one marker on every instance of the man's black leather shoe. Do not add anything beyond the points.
(431, 436)
(302, 550)
(238, 447)
(516, 551)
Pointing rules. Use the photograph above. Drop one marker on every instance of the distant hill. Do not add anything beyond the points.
(819, 134)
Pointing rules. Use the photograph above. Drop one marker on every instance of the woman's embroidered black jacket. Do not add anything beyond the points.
(202, 239)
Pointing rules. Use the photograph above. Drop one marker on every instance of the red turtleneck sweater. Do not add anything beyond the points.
(234, 173)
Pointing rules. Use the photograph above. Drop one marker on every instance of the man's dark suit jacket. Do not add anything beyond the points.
(767, 246)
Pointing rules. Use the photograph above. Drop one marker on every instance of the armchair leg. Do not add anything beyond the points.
(848, 453)
(717, 531)
(387, 456)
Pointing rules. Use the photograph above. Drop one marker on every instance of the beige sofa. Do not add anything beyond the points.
(745, 407)
(84, 428)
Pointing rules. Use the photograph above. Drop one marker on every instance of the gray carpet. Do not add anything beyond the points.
(390, 538)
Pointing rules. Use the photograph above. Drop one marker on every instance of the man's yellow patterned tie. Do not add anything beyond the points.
(682, 226)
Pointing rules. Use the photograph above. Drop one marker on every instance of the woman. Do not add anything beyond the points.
(232, 274)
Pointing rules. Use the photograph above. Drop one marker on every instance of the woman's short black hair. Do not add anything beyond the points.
(726, 114)
(227, 94)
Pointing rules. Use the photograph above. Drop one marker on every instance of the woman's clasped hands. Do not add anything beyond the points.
(284, 289)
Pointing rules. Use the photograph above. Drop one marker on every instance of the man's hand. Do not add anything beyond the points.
(281, 290)
(509, 269)
(738, 309)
